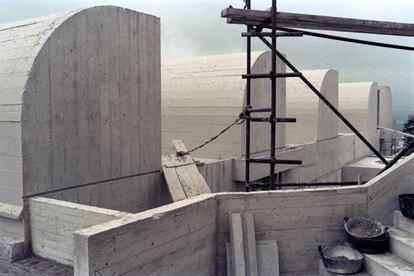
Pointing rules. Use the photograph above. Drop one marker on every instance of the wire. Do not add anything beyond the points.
(347, 39)
(240, 119)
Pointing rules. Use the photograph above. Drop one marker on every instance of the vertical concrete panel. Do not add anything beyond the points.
(84, 92)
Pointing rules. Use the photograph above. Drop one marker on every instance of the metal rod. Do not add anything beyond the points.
(270, 119)
(351, 40)
(396, 131)
(273, 99)
(398, 157)
(333, 108)
(319, 184)
(271, 75)
(248, 101)
(269, 34)
(263, 109)
(274, 161)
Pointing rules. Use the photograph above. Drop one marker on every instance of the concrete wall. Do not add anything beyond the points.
(91, 104)
(52, 140)
(315, 121)
(358, 103)
(189, 237)
(219, 175)
(385, 119)
(203, 95)
(53, 223)
(298, 220)
(20, 43)
(133, 194)
(383, 190)
(177, 239)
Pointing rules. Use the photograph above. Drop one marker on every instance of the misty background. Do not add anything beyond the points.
(194, 28)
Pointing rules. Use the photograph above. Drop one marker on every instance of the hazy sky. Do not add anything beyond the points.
(194, 27)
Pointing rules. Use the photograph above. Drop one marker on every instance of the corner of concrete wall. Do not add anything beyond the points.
(176, 239)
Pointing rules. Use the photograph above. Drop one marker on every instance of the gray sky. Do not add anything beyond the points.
(194, 27)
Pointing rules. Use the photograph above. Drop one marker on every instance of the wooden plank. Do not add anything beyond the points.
(250, 244)
(179, 147)
(307, 21)
(173, 182)
(237, 248)
(181, 174)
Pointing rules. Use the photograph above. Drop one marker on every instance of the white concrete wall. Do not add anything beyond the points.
(189, 237)
(385, 118)
(133, 194)
(76, 99)
(383, 190)
(298, 220)
(315, 121)
(177, 239)
(20, 43)
(203, 95)
(358, 103)
(91, 104)
(53, 223)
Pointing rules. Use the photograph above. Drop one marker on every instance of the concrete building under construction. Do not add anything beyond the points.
(107, 166)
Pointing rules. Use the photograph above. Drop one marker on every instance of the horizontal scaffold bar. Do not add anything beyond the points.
(308, 21)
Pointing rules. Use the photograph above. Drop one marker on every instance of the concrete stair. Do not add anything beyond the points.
(399, 261)
(11, 247)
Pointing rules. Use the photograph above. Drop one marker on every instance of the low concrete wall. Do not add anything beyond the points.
(177, 239)
(189, 236)
(219, 175)
(383, 190)
(53, 223)
(133, 195)
(298, 220)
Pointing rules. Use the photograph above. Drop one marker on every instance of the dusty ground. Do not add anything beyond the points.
(34, 266)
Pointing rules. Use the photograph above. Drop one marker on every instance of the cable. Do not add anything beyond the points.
(347, 39)
(238, 121)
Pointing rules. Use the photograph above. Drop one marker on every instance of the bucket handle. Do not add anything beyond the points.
(322, 256)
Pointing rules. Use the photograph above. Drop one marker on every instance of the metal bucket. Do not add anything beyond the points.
(407, 205)
(341, 259)
(373, 244)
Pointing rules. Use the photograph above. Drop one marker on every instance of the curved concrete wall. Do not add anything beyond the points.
(358, 102)
(385, 119)
(202, 95)
(315, 121)
(385, 111)
(78, 91)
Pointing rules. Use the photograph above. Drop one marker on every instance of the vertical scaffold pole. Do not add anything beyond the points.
(248, 102)
(273, 100)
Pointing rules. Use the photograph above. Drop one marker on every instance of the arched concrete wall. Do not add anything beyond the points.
(202, 95)
(385, 118)
(315, 121)
(385, 108)
(80, 100)
(358, 102)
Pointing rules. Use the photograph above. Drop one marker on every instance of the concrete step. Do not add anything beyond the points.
(11, 248)
(403, 223)
(387, 264)
(324, 272)
(402, 244)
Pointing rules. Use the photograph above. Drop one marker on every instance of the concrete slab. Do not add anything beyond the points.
(402, 244)
(387, 265)
(403, 223)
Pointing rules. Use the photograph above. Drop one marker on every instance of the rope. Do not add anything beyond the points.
(240, 119)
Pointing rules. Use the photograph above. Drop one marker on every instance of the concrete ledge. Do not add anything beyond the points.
(54, 221)
(387, 265)
(403, 223)
(11, 211)
(11, 248)
(176, 239)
